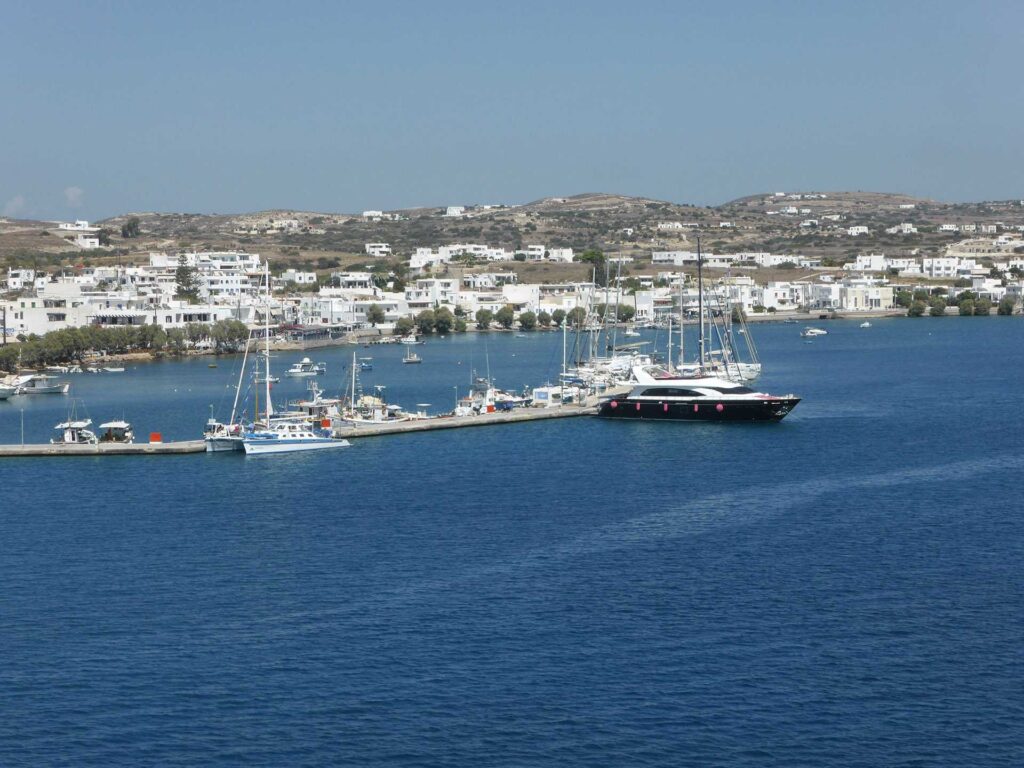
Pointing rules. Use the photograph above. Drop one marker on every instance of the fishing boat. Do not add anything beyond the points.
(865, 324)
(812, 332)
(410, 340)
(42, 384)
(306, 367)
(631, 332)
(365, 363)
(118, 431)
(411, 358)
(75, 432)
(115, 369)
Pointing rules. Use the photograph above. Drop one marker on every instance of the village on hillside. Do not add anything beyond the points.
(458, 268)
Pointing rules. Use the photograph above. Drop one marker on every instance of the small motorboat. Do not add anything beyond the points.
(810, 332)
(42, 384)
(118, 431)
(306, 367)
(75, 432)
(865, 324)
(366, 364)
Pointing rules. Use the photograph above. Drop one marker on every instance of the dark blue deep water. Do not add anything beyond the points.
(845, 588)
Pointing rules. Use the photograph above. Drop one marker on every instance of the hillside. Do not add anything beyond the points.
(613, 223)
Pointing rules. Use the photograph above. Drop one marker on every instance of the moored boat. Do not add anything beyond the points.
(810, 332)
(117, 431)
(306, 367)
(75, 432)
(657, 394)
(289, 436)
(42, 384)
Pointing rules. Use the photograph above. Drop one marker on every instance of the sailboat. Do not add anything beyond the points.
(411, 358)
(289, 434)
(658, 393)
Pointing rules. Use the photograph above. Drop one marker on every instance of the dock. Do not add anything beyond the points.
(104, 449)
(458, 422)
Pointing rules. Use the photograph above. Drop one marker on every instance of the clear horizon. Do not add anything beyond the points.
(238, 107)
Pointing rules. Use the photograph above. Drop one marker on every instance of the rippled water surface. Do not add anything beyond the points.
(843, 588)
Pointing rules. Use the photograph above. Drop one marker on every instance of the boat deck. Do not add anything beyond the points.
(104, 449)
(457, 422)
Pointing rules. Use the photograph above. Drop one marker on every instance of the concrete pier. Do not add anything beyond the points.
(457, 422)
(104, 449)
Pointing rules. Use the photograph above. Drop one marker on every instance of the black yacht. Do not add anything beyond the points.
(657, 394)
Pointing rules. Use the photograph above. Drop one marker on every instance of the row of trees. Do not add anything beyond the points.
(70, 345)
(443, 320)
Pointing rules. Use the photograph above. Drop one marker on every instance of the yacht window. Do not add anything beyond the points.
(730, 390)
(670, 392)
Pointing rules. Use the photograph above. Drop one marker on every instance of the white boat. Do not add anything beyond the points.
(42, 384)
(113, 370)
(288, 437)
(411, 358)
(365, 363)
(306, 367)
(865, 324)
(808, 332)
(117, 431)
(410, 340)
(75, 432)
(631, 332)
(6, 391)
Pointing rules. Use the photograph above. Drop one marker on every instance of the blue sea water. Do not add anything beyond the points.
(845, 588)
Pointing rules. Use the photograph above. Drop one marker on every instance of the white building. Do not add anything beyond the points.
(902, 229)
(299, 278)
(560, 254)
(455, 210)
(949, 228)
(858, 230)
(378, 250)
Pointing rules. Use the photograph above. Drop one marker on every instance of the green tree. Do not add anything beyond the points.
(922, 295)
(558, 317)
(375, 314)
(1006, 305)
(104, 236)
(484, 317)
(937, 308)
(443, 320)
(505, 317)
(576, 317)
(916, 308)
(186, 280)
(982, 306)
(626, 313)
(460, 325)
(403, 326)
(738, 315)
(966, 307)
(544, 319)
(904, 298)
(597, 259)
(527, 321)
(425, 321)
(131, 228)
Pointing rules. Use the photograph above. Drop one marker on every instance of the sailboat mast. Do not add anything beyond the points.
(700, 302)
(669, 356)
(266, 336)
(241, 374)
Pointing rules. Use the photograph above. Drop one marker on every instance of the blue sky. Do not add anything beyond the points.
(226, 107)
